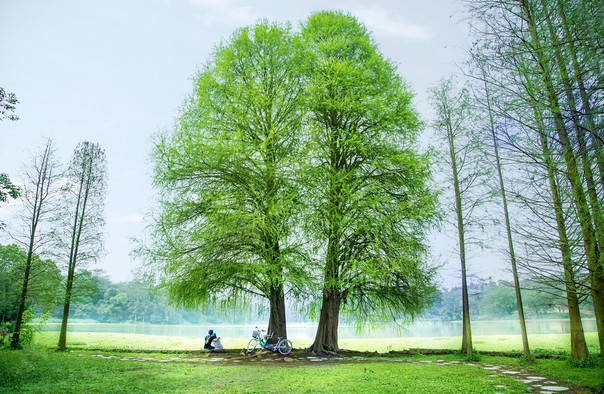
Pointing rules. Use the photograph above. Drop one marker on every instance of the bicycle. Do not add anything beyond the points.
(283, 345)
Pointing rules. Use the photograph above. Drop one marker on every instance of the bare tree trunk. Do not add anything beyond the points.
(63, 333)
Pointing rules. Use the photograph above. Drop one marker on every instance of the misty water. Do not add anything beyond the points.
(418, 329)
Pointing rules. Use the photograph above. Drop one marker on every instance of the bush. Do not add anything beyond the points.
(593, 361)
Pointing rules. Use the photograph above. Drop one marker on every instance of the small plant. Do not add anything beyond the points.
(474, 357)
(592, 361)
(29, 329)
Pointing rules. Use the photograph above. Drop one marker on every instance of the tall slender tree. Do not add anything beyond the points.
(83, 216)
(485, 96)
(460, 147)
(370, 204)
(38, 194)
(529, 43)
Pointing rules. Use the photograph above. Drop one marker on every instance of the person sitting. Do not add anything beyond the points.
(209, 339)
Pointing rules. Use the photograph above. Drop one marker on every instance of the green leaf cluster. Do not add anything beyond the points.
(295, 159)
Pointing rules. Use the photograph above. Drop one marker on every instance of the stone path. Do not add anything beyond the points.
(537, 384)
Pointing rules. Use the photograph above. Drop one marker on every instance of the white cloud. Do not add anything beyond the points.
(134, 218)
(385, 24)
(225, 12)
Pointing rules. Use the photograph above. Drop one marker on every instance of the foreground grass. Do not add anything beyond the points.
(43, 370)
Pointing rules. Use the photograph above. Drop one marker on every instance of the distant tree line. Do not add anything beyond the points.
(100, 300)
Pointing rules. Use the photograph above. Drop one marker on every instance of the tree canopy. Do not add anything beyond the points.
(226, 178)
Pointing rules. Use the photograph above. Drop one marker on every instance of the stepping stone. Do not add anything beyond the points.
(526, 381)
(510, 372)
(440, 361)
(549, 382)
(554, 388)
(492, 376)
(535, 377)
(500, 386)
(217, 359)
(491, 368)
(426, 361)
(471, 365)
(454, 362)
(164, 361)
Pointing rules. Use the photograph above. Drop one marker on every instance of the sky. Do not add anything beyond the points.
(116, 72)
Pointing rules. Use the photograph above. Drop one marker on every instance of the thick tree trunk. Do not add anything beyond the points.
(326, 339)
(277, 322)
(578, 346)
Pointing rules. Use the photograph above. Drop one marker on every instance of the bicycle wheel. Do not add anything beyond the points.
(252, 345)
(285, 346)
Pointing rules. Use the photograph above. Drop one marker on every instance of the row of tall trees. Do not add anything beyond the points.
(534, 72)
(293, 171)
(61, 218)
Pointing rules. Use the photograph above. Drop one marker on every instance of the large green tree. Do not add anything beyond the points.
(369, 200)
(226, 179)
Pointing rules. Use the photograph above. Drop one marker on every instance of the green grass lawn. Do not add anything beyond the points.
(555, 343)
(41, 369)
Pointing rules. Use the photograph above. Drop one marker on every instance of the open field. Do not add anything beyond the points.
(553, 343)
(107, 363)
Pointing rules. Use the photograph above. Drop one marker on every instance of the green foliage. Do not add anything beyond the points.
(228, 195)
(366, 182)
(8, 102)
(593, 361)
(45, 281)
(29, 329)
(7, 189)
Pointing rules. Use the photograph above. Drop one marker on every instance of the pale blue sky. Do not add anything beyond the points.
(116, 71)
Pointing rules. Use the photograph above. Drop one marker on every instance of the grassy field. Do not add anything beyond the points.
(553, 343)
(41, 369)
